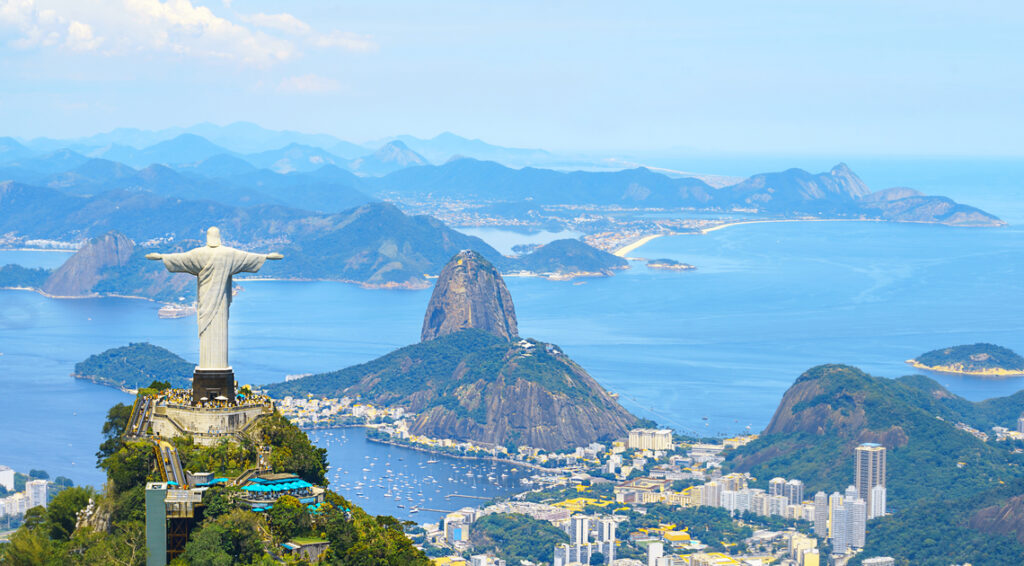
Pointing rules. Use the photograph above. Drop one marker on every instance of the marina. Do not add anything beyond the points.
(409, 484)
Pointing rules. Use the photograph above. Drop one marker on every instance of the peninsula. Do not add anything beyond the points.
(976, 359)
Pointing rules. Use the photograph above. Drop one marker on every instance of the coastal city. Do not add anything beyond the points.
(601, 496)
(511, 283)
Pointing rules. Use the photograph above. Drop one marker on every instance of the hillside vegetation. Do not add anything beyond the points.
(471, 385)
(938, 476)
(135, 366)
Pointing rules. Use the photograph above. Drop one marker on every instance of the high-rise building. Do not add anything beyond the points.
(869, 469)
(7, 478)
(650, 439)
(579, 529)
(778, 505)
(777, 486)
(36, 490)
(1020, 423)
(840, 529)
(821, 514)
(606, 530)
(858, 515)
(794, 490)
(834, 501)
(712, 494)
(877, 500)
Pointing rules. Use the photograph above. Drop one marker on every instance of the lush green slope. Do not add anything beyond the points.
(472, 385)
(937, 475)
(135, 366)
(515, 537)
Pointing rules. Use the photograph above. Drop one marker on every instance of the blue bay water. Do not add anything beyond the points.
(767, 302)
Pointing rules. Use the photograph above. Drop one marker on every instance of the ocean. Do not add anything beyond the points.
(707, 352)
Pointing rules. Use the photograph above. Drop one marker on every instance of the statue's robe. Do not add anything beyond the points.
(213, 266)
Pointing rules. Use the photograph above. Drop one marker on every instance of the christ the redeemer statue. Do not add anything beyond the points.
(213, 264)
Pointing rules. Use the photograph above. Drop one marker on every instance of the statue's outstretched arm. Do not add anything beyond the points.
(275, 255)
(154, 256)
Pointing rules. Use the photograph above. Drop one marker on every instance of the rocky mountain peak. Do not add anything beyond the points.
(848, 181)
(470, 293)
(77, 276)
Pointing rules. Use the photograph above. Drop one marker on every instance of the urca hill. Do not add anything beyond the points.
(472, 378)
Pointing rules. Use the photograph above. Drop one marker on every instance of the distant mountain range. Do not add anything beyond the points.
(375, 244)
(184, 164)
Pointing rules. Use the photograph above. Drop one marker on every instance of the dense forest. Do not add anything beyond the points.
(134, 366)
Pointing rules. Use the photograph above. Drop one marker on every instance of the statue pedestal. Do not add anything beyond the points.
(213, 383)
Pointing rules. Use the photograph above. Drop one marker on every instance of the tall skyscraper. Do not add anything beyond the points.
(36, 490)
(877, 500)
(840, 529)
(777, 486)
(821, 514)
(795, 491)
(606, 530)
(834, 501)
(579, 529)
(869, 471)
(858, 516)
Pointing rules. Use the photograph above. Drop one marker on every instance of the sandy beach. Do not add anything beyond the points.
(741, 222)
(621, 252)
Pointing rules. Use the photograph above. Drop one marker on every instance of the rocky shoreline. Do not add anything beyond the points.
(958, 370)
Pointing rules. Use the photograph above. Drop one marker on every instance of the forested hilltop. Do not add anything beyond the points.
(84, 527)
(975, 359)
(470, 385)
(951, 493)
(135, 366)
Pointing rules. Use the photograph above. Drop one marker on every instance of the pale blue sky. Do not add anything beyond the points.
(912, 78)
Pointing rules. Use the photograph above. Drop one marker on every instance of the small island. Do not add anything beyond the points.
(976, 359)
(134, 366)
(669, 264)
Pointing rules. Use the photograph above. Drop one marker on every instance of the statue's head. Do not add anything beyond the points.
(213, 237)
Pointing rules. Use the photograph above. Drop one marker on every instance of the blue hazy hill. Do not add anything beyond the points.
(393, 156)
(446, 145)
(294, 157)
(11, 150)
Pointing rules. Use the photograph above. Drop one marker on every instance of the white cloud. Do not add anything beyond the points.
(32, 27)
(80, 37)
(309, 84)
(346, 40)
(127, 26)
(281, 22)
(178, 27)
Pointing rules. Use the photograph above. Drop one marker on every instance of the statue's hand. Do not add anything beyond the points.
(154, 256)
(275, 255)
